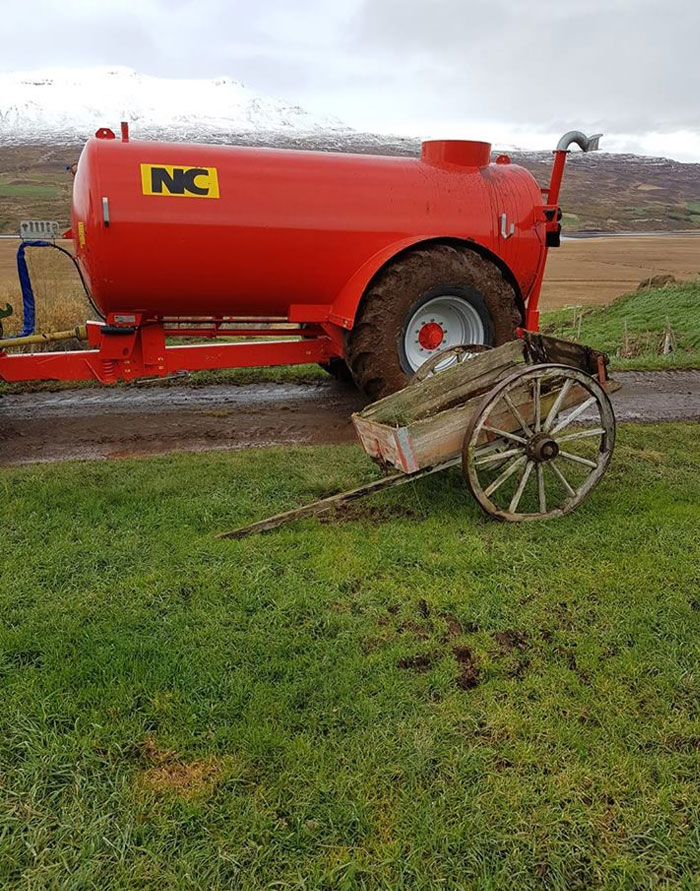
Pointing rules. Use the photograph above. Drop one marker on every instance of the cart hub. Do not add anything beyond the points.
(542, 448)
(431, 336)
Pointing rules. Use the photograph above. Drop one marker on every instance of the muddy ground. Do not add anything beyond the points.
(147, 420)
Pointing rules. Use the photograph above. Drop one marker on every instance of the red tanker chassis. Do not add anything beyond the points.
(359, 262)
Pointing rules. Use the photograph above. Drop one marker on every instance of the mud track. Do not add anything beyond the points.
(137, 421)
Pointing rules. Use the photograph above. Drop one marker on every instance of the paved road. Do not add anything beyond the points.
(124, 422)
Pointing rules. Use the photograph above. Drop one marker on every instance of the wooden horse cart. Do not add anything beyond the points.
(530, 422)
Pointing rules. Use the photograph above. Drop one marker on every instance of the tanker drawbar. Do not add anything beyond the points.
(368, 265)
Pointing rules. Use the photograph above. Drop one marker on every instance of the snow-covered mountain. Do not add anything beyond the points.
(66, 106)
(46, 115)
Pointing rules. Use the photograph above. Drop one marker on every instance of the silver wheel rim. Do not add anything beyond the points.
(457, 318)
(447, 358)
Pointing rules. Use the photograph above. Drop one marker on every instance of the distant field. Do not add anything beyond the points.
(582, 272)
(597, 270)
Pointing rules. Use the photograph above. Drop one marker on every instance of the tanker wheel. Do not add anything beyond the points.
(338, 368)
(428, 301)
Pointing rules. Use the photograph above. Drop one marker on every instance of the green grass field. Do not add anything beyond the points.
(646, 314)
(411, 697)
(27, 190)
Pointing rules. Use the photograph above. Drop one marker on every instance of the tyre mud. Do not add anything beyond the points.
(373, 350)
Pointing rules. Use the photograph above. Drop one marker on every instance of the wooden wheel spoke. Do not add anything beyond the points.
(558, 402)
(562, 479)
(582, 434)
(538, 404)
(516, 414)
(577, 412)
(492, 445)
(515, 501)
(578, 459)
(541, 494)
(512, 436)
(481, 459)
(512, 468)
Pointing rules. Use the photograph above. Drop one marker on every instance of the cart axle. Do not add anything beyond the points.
(542, 448)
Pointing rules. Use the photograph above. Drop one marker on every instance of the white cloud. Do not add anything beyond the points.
(512, 71)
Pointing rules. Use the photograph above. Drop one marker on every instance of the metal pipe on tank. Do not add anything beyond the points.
(576, 137)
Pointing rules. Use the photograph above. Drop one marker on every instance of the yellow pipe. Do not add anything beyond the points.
(80, 332)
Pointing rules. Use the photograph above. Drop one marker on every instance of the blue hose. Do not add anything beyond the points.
(28, 302)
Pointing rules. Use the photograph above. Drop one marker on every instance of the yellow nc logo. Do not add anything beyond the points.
(185, 182)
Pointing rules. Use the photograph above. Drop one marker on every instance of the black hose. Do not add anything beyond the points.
(74, 261)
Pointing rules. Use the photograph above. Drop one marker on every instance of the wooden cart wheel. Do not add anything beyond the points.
(447, 358)
(539, 443)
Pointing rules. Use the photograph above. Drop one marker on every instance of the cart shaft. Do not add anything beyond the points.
(334, 501)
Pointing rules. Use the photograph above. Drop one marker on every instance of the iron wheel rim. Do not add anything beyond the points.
(526, 446)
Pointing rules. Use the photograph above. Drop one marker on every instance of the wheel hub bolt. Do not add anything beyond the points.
(431, 336)
(542, 448)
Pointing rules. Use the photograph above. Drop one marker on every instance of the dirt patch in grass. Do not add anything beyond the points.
(426, 629)
(469, 674)
(510, 640)
(182, 778)
(415, 628)
(515, 644)
(417, 663)
(454, 626)
(171, 774)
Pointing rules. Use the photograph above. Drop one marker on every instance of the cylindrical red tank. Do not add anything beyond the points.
(179, 230)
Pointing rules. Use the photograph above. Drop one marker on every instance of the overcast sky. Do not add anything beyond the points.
(516, 72)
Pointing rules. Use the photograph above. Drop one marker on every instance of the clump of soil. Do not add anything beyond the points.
(469, 675)
(516, 643)
(657, 281)
(414, 628)
(512, 640)
(454, 626)
(417, 663)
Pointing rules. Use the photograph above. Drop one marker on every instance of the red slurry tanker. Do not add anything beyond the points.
(374, 263)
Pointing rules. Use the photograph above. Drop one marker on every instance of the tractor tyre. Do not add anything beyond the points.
(428, 300)
(338, 368)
